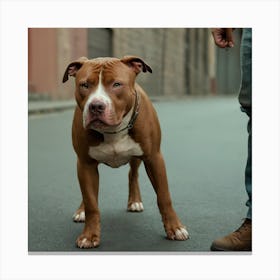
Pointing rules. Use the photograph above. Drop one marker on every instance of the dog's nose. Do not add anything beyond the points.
(97, 107)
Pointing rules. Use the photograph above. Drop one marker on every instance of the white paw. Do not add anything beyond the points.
(86, 244)
(181, 234)
(79, 217)
(136, 207)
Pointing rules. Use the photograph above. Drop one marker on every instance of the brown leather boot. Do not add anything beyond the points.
(239, 240)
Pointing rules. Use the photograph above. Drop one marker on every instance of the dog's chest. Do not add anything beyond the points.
(116, 150)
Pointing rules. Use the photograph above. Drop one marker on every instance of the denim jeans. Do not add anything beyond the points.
(245, 99)
(248, 169)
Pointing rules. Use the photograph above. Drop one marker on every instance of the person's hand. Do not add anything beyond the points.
(223, 37)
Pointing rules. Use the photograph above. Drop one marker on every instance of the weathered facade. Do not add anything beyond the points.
(183, 60)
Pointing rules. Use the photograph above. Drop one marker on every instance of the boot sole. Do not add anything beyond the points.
(217, 249)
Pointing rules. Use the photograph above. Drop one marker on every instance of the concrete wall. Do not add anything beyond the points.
(184, 61)
(144, 43)
(71, 44)
(164, 50)
(200, 59)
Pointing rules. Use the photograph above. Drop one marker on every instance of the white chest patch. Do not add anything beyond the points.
(116, 150)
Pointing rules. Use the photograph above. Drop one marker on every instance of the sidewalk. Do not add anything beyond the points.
(45, 106)
(49, 106)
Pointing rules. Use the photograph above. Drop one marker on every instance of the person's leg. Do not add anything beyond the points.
(245, 99)
(248, 169)
(241, 239)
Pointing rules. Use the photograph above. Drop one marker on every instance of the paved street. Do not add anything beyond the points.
(204, 142)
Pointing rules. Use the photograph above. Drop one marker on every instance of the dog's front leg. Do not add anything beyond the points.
(89, 183)
(156, 171)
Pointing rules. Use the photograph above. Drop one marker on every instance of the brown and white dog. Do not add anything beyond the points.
(115, 124)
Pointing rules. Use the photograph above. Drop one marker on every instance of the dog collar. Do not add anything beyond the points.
(132, 119)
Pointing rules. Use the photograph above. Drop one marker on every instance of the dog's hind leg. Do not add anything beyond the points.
(134, 196)
(79, 216)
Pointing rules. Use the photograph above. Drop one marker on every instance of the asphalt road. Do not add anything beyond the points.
(204, 142)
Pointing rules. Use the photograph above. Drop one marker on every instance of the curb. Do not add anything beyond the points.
(45, 106)
(40, 107)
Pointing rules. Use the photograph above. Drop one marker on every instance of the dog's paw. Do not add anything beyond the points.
(85, 243)
(79, 216)
(179, 234)
(135, 207)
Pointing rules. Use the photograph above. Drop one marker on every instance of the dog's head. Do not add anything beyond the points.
(105, 89)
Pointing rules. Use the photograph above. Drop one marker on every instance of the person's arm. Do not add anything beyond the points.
(223, 37)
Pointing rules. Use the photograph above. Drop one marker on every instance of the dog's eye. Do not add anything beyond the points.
(84, 85)
(117, 84)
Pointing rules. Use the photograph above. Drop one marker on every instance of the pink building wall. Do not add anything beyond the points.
(50, 50)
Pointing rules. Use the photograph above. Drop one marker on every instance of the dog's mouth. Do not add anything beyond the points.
(97, 123)
(100, 124)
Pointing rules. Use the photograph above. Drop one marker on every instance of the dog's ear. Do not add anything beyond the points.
(73, 68)
(137, 64)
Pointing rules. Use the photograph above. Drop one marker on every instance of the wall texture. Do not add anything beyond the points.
(184, 61)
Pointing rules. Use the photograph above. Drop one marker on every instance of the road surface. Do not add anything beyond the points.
(204, 143)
